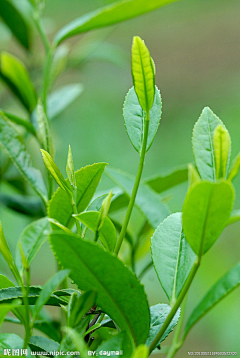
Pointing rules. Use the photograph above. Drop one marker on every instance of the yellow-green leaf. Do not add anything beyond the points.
(193, 176)
(235, 167)
(221, 144)
(140, 352)
(143, 74)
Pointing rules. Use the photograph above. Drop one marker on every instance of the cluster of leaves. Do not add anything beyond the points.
(108, 309)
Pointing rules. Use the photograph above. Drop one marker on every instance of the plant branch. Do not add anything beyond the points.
(37, 21)
(136, 186)
(177, 304)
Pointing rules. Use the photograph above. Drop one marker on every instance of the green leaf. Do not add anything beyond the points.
(7, 295)
(221, 289)
(134, 119)
(23, 204)
(163, 182)
(12, 143)
(105, 208)
(59, 61)
(221, 145)
(48, 289)
(62, 98)
(172, 256)
(143, 74)
(71, 174)
(74, 341)
(31, 239)
(14, 20)
(141, 352)
(193, 176)
(234, 217)
(206, 210)
(147, 201)
(78, 306)
(20, 121)
(108, 15)
(5, 308)
(5, 282)
(45, 344)
(107, 233)
(121, 343)
(120, 295)
(202, 142)
(14, 73)
(54, 171)
(87, 180)
(235, 168)
(11, 341)
(159, 314)
(43, 129)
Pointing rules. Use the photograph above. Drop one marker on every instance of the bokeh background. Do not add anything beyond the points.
(196, 48)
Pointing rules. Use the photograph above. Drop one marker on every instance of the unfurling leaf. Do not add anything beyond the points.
(193, 176)
(221, 145)
(54, 171)
(206, 210)
(71, 173)
(140, 352)
(235, 168)
(143, 74)
(43, 129)
(104, 209)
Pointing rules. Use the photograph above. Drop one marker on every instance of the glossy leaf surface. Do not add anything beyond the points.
(87, 180)
(107, 234)
(202, 142)
(206, 210)
(134, 119)
(159, 314)
(147, 201)
(120, 295)
(172, 255)
(12, 143)
(14, 73)
(143, 74)
(217, 292)
(109, 15)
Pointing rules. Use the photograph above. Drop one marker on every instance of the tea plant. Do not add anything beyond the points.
(106, 309)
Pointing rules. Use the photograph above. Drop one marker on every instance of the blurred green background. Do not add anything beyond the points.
(196, 48)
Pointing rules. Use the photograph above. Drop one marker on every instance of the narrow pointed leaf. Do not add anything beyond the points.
(31, 239)
(235, 168)
(20, 121)
(202, 142)
(159, 314)
(43, 129)
(107, 233)
(120, 295)
(48, 289)
(87, 180)
(221, 145)
(109, 15)
(172, 255)
(5, 308)
(134, 119)
(78, 306)
(221, 289)
(12, 143)
(147, 201)
(193, 176)
(15, 21)
(206, 210)
(15, 75)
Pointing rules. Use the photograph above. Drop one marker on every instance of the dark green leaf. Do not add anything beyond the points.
(206, 210)
(147, 201)
(15, 21)
(47, 290)
(31, 240)
(23, 204)
(87, 180)
(15, 75)
(109, 15)
(159, 314)
(120, 295)
(12, 143)
(202, 142)
(172, 256)
(134, 119)
(45, 344)
(107, 233)
(221, 289)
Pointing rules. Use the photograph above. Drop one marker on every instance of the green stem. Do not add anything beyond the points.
(176, 305)
(36, 18)
(47, 77)
(175, 344)
(136, 185)
(75, 211)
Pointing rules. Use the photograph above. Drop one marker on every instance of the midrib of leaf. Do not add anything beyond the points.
(113, 300)
(211, 147)
(159, 317)
(173, 297)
